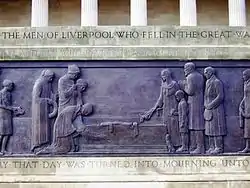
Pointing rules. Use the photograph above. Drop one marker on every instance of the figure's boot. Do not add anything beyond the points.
(76, 141)
(1, 144)
(211, 144)
(4, 145)
(247, 148)
(169, 144)
(184, 145)
(218, 145)
(200, 143)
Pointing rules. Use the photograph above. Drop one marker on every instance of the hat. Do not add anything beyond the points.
(73, 69)
(47, 72)
(7, 83)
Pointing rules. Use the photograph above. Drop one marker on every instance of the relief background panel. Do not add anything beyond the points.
(121, 90)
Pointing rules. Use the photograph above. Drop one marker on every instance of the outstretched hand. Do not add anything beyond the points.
(146, 116)
(18, 111)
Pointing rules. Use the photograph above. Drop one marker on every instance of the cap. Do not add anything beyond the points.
(7, 83)
(73, 69)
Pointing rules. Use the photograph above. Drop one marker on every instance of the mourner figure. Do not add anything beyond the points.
(70, 94)
(244, 111)
(168, 103)
(215, 125)
(7, 111)
(42, 100)
(64, 129)
(67, 88)
(81, 87)
(183, 120)
(194, 88)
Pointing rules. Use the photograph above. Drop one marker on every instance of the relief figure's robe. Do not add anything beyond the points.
(245, 107)
(214, 95)
(195, 91)
(41, 95)
(5, 113)
(169, 104)
(64, 130)
(67, 96)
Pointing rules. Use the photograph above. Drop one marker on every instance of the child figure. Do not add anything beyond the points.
(183, 120)
(6, 114)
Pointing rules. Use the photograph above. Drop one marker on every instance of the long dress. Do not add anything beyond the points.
(64, 130)
(169, 103)
(6, 128)
(42, 93)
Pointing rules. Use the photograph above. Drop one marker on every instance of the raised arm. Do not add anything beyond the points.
(6, 107)
(147, 115)
(159, 102)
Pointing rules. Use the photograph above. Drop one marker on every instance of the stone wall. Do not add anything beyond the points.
(134, 87)
(111, 12)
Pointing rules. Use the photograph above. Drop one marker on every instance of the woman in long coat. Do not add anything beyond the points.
(42, 99)
(167, 101)
(244, 110)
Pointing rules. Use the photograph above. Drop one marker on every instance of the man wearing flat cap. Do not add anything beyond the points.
(67, 88)
(69, 94)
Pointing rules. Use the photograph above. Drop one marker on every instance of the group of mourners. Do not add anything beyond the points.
(191, 111)
(46, 113)
(192, 108)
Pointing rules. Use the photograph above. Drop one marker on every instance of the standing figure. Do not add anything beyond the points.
(183, 120)
(64, 129)
(215, 123)
(244, 111)
(168, 103)
(70, 93)
(42, 100)
(81, 87)
(6, 114)
(67, 88)
(194, 88)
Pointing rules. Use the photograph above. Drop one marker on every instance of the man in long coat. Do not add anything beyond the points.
(215, 126)
(194, 88)
(244, 111)
(67, 88)
(70, 90)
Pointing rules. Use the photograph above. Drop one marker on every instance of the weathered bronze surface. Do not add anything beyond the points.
(99, 108)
